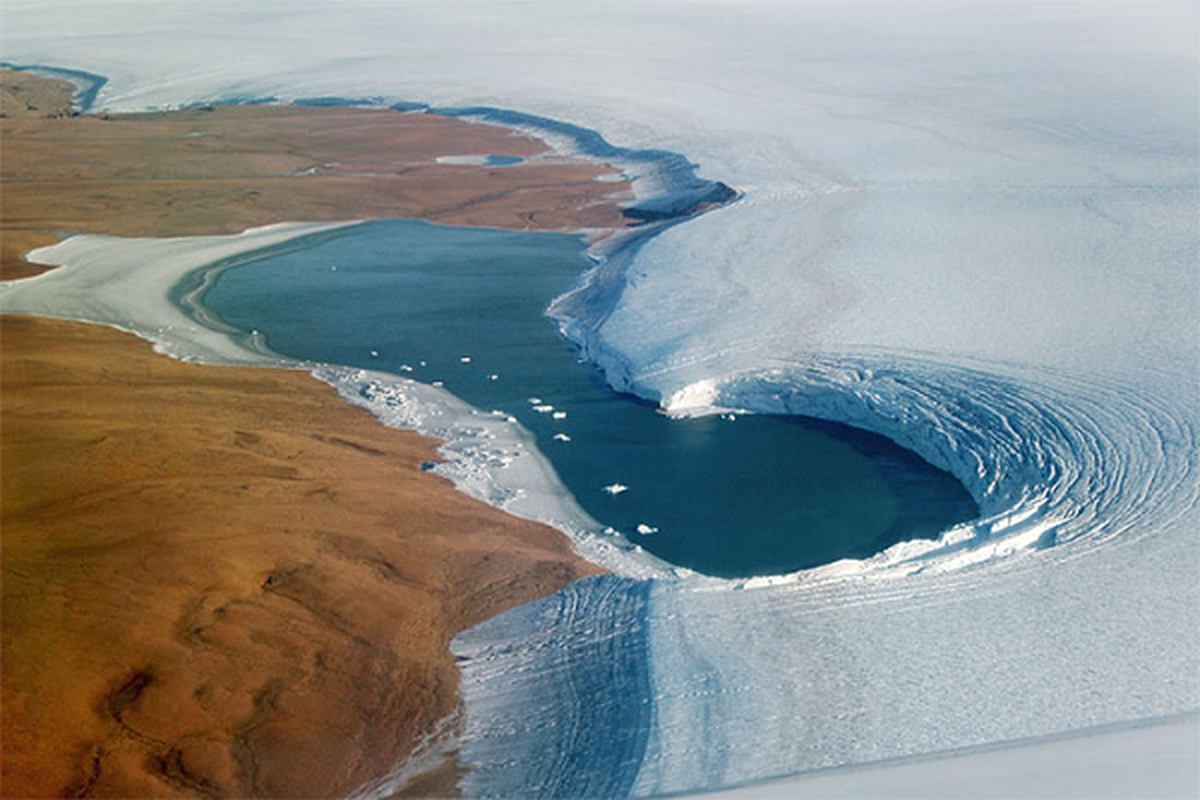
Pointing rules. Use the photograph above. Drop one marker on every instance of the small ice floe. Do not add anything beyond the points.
(438, 383)
(616, 488)
(610, 530)
(333, 268)
(493, 377)
(561, 437)
(559, 415)
(423, 363)
(465, 359)
(730, 417)
(512, 419)
(646, 530)
(406, 368)
(535, 401)
(374, 354)
(545, 408)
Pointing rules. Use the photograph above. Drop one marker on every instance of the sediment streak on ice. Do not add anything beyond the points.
(585, 709)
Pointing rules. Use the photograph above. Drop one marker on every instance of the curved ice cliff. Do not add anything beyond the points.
(1055, 461)
(974, 232)
(1047, 614)
(1086, 477)
(1086, 487)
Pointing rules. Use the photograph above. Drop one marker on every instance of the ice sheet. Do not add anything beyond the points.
(969, 226)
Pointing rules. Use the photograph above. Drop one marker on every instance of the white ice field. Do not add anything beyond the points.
(972, 227)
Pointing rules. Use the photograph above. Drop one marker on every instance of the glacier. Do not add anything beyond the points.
(970, 227)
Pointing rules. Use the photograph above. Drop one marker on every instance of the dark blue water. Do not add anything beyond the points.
(759, 495)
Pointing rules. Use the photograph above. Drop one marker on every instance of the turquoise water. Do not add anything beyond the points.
(759, 495)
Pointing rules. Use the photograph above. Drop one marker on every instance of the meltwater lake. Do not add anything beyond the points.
(728, 497)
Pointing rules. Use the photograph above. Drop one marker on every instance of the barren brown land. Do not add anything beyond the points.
(227, 168)
(224, 580)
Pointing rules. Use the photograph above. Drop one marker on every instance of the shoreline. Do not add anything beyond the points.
(209, 170)
(133, 285)
(250, 564)
(990, 258)
(130, 723)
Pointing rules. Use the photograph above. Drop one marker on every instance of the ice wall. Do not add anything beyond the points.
(969, 226)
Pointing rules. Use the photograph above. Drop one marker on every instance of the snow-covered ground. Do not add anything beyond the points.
(1149, 761)
(972, 227)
